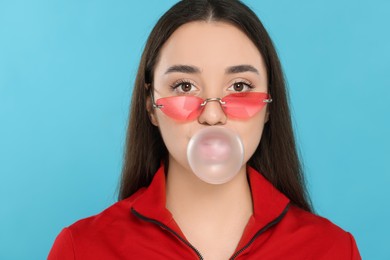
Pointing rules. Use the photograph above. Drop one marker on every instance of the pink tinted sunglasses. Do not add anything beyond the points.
(236, 105)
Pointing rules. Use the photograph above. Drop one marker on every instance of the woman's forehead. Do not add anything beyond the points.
(209, 45)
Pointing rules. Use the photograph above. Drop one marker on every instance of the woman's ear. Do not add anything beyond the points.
(266, 117)
(151, 111)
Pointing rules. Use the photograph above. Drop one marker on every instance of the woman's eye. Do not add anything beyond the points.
(184, 87)
(240, 87)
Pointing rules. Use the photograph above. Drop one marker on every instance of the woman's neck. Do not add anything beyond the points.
(207, 213)
(185, 190)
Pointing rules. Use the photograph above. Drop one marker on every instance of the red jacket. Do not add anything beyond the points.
(140, 227)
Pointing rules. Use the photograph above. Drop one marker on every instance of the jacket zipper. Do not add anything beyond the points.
(169, 229)
(261, 231)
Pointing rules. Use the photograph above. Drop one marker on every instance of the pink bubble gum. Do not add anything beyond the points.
(215, 154)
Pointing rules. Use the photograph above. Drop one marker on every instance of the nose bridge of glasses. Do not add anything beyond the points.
(216, 106)
(214, 113)
(212, 99)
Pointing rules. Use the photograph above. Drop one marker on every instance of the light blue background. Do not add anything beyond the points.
(66, 74)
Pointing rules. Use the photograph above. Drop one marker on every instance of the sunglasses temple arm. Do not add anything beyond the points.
(154, 103)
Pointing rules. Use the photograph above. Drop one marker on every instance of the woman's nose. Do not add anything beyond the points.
(212, 114)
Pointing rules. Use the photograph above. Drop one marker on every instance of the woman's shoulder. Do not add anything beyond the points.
(91, 231)
(116, 213)
(298, 218)
(318, 235)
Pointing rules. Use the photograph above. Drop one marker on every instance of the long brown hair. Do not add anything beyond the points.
(276, 156)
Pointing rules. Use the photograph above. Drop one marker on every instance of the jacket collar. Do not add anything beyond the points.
(268, 204)
(151, 203)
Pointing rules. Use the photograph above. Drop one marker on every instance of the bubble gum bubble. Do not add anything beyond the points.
(215, 154)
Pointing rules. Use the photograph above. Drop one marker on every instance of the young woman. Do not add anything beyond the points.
(210, 54)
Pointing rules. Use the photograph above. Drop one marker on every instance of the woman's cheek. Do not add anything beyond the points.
(250, 132)
(175, 136)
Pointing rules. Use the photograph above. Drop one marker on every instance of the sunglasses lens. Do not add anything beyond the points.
(237, 105)
(181, 108)
(244, 105)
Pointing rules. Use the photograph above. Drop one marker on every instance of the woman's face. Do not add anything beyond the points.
(209, 60)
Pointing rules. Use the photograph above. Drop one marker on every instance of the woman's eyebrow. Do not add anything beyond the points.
(240, 69)
(193, 69)
(183, 69)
